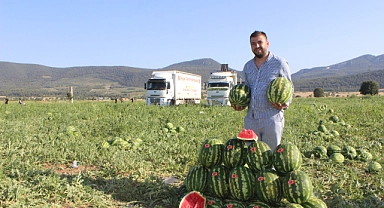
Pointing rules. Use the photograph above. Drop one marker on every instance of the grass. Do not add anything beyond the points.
(39, 142)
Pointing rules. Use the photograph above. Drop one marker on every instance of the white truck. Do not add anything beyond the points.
(219, 85)
(173, 88)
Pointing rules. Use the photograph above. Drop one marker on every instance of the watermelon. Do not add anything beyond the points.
(286, 157)
(268, 187)
(333, 149)
(241, 183)
(240, 95)
(314, 202)
(248, 135)
(234, 153)
(279, 90)
(196, 179)
(212, 202)
(234, 204)
(363, 155)
(192, 200)
(319, 151)
(217, 181)
(374, 167)
(211, 153)
(349, 152)
(337, 157)
(259, 156)
(334, 118)
(297, 187)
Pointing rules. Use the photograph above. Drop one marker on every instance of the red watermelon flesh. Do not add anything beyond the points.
(247, 134)
(192, 200)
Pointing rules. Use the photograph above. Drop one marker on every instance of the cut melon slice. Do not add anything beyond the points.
(247, 135)
(192, 200)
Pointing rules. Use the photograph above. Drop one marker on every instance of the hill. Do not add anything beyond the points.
(32, 80)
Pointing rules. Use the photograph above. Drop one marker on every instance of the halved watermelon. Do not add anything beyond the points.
(248, 135)
(192, 200)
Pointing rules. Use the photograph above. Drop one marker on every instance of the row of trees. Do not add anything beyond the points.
(366, 88)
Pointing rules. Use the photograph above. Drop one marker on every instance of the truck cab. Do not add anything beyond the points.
(219, 85)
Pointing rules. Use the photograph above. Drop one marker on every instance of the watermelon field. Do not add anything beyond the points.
(106, 154)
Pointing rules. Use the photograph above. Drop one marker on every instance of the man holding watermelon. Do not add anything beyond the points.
(268, 99)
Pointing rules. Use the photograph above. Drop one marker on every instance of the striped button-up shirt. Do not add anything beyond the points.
(259, 79)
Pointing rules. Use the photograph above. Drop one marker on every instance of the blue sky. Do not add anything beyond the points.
(155, 34)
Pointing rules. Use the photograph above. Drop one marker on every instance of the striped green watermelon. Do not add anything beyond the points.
(234, 204)
(349, 152)
(192, 200)
(217, 181)
(268, 187)
(363, 155)
(333, 149)
(279, 90)
(297, 187)
(337, 157)
(319, 151)
(314, 202)
(259, 156)
(241, 183)
(196, 179)
(213, 202)
(286, 157)
(240, 95)
(211, 153)
(374, 167)
(234, 153)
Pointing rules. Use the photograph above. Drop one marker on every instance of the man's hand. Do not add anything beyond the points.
(238, 108)
(279, 106)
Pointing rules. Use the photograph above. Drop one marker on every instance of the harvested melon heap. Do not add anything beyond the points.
(244, 172)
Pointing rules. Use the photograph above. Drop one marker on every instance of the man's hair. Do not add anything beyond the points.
(257, 33)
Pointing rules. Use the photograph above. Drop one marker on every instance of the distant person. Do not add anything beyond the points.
(6, 100)
(132, 99)
(20, 101)
(115, 100)
(264, 118)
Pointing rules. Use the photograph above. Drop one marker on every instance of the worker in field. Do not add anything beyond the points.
(6, 100)
(264, 118)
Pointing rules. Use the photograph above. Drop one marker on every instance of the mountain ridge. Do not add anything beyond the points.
(20, 79)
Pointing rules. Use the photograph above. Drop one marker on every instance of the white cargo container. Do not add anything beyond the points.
(219, 85)
(173, 88)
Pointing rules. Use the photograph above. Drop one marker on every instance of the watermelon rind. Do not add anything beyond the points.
(193, 199)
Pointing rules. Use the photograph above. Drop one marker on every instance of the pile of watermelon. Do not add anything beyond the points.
(243, 172)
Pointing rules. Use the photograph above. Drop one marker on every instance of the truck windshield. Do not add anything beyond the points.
(156, 86)
(218, 85)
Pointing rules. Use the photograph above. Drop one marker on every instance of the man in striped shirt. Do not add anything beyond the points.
(264, 118)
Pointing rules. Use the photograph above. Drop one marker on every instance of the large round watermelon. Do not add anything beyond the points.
(240, 95)
(234, 153)
(192, 199)
(286, 157)
(211, 153)
(217, 181)
(196, 179)
(241, 183)
(279, 90)
(268, 186)
(259, 156)
(297, 187)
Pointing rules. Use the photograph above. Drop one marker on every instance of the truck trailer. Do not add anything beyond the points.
(219, 85)
(173, 88)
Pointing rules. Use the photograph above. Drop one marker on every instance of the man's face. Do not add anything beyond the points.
(259, 46)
